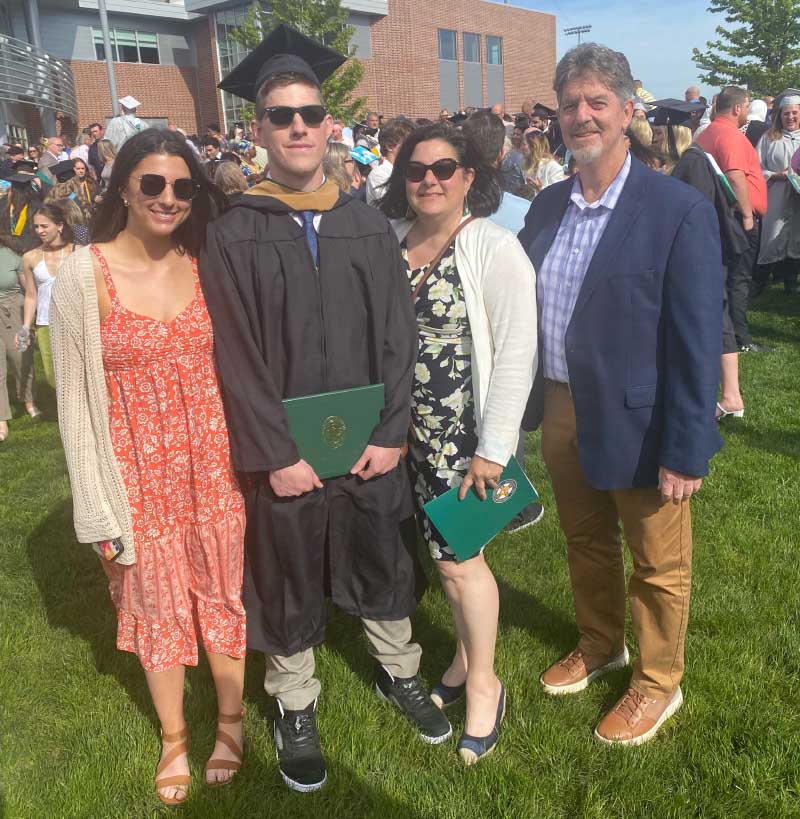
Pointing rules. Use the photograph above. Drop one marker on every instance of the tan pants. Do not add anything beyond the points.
(292, 680)
(20, 364)
(659, 536)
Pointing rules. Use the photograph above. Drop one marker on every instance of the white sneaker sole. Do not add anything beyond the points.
(426, 739)
(296, 786)
(672, 708)
(528, 524)
(620, 661)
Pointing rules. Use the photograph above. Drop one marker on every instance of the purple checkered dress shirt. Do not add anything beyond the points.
(564, 268)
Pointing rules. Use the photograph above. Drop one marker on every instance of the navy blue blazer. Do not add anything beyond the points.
(644, 342)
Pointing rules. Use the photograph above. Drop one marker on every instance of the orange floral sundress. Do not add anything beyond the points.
(171, 442)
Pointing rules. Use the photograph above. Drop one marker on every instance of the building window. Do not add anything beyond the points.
(230, 54)
(447, 45)
(494, 50)
(472, 48)
(128, 46)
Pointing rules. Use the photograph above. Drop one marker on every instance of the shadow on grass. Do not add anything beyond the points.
(346, 794)
(518, 609)
(775, 302)
(781, 442)
(75, 597)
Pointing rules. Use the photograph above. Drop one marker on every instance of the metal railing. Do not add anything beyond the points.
(30, 75)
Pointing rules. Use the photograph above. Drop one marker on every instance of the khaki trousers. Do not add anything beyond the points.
(20, 364)
(659, 536)
(292, 680)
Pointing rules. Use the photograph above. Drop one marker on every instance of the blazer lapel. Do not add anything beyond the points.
(625, 214)
(546, 235)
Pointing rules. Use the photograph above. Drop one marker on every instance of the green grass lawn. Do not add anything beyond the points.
(79, 738)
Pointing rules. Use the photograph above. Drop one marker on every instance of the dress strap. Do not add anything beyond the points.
(112, 291)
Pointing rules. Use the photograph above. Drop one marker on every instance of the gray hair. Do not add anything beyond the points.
(590, 58)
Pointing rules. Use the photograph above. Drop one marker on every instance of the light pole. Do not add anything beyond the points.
(577, 30)
(112, 82)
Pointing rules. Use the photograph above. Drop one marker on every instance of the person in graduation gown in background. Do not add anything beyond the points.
(307, 293)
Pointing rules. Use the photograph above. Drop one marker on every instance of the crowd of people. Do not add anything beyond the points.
(588, 273)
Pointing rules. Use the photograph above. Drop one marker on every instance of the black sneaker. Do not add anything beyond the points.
(531, 514)
(300, 759)
(413, 701)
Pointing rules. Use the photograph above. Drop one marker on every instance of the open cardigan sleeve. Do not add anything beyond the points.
(97, 516)
(509, 297)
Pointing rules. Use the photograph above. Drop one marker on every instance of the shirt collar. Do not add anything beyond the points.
(611, 194)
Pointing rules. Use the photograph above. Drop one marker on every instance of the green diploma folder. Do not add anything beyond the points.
(332, 429)
(469, 525)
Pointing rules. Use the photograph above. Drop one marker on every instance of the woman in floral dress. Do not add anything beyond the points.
(476, 312)
(160, 498)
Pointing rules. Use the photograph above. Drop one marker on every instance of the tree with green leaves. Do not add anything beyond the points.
(761, 51)
(324, 21)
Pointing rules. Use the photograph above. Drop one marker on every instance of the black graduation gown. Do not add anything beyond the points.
(283, 329)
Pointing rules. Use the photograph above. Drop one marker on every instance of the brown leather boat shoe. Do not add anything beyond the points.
(635, 719)
(577, 670)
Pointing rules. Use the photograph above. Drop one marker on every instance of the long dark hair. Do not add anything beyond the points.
(483, 197)
(112, 215)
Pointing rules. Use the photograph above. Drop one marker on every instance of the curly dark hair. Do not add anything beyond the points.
(112, 215)
(483, 197)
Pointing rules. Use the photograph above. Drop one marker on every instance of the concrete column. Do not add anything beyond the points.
(31, 9)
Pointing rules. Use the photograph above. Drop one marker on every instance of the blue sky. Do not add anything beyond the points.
(657, 38)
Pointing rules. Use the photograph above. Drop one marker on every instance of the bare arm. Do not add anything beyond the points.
(739, 185)
(31, 292)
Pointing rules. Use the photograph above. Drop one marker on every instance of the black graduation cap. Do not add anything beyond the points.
(20, 178)
(63, 171)
(676, 112)
(24, 166)
(284, 50)
(540, 109)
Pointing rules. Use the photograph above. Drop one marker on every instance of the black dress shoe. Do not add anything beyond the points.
(472, 749)
(300, 758)
(409, 696)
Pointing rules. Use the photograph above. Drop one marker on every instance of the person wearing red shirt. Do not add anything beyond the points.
(738, 160)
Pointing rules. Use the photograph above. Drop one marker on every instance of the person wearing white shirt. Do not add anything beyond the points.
(390, 139)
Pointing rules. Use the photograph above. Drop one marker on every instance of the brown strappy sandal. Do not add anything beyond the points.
(179, 780)
(230, 765)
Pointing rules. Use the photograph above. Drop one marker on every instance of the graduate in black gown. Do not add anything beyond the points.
(308, 294)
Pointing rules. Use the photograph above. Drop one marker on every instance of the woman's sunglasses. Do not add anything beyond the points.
(442, 169)
(152, 184)
(284, 114)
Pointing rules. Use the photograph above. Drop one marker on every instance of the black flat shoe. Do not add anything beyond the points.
(444, 696)
(473, 749)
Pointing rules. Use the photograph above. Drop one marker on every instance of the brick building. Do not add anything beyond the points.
(418, 57)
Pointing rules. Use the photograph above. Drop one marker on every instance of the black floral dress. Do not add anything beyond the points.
(443, 433)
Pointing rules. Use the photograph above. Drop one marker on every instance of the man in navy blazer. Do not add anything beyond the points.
(630, 290)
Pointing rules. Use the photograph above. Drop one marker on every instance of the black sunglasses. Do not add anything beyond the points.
(442, 169)
(284, 114)
(152, 184)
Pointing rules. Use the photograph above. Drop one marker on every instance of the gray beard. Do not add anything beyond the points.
(585, 156)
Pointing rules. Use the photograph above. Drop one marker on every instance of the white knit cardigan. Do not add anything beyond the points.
(100, 501)
(500, 297)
